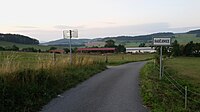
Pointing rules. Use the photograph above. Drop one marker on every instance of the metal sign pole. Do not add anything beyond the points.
(160, 62)
(160, 41)
(70, 46)
(69, 34)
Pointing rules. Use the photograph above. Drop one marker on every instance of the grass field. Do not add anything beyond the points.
(30, 80)
(25, 59)
(181, 38)
(186, 38)
(168, 94)
(187, 68)
(41, 47)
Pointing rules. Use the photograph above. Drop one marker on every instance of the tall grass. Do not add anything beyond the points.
(27, 89)
(162, 95)
(30, 80)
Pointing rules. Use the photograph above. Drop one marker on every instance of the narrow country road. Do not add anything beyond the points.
(113, 90)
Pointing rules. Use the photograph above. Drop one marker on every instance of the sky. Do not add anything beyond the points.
(45, 20)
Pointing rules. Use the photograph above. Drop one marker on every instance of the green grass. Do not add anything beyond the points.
(162, 95)
(186, 38)
(30, 80)
(28, 90)
(187, 68)
(33, 59)
(181, 38)
(121, 58)
(41, 47)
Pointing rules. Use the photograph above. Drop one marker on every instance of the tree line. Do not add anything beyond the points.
(111, 44)
(15, 48)
(18, 39)
(190, 49)
(32, 49)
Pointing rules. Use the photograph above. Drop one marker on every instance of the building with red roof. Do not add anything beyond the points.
(59, 51)
(96, 50)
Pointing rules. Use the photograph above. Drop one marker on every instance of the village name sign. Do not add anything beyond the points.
(161, 41)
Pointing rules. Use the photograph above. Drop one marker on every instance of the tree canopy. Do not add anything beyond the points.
(111, 44)
(190, 49)
(18, 39)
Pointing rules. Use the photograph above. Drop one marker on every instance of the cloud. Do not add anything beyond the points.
(184, 29)
(62, 27)
(109, 22)
(125, 30)
(27, 27)
(132, 30)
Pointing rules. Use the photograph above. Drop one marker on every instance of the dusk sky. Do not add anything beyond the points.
(46, 19)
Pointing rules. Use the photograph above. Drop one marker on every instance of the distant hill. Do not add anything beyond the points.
(194, 32)
(16, 38)
(118, 40)
(133, 41)
(21, 46)
(141, 37)
(65, 42)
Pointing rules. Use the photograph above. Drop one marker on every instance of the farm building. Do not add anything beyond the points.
(95, 44)
(59, 51)
(140, 50)
(96, 50)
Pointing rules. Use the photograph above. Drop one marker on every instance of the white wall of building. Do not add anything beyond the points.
(140, 50)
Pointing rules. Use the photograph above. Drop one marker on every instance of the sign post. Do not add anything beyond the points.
(161, 62)
(69, 34)
(158, 41)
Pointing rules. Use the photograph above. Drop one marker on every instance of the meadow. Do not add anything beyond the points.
(30, 80)
(186, 68)
(183, 39)
(21, 46)
(168, 94)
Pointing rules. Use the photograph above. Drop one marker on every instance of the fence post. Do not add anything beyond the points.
(185, 97)
(123, 57)
(54, 57)
(162, 70)
(106, 58)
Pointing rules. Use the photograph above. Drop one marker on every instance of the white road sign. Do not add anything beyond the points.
(74, 33)
(161, 41)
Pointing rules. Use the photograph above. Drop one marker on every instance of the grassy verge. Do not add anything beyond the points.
(30, 80)
(21, 46)
(127, 58)
(28, 90)
(162, 95)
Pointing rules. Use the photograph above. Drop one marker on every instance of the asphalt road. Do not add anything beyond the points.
(113, 90)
